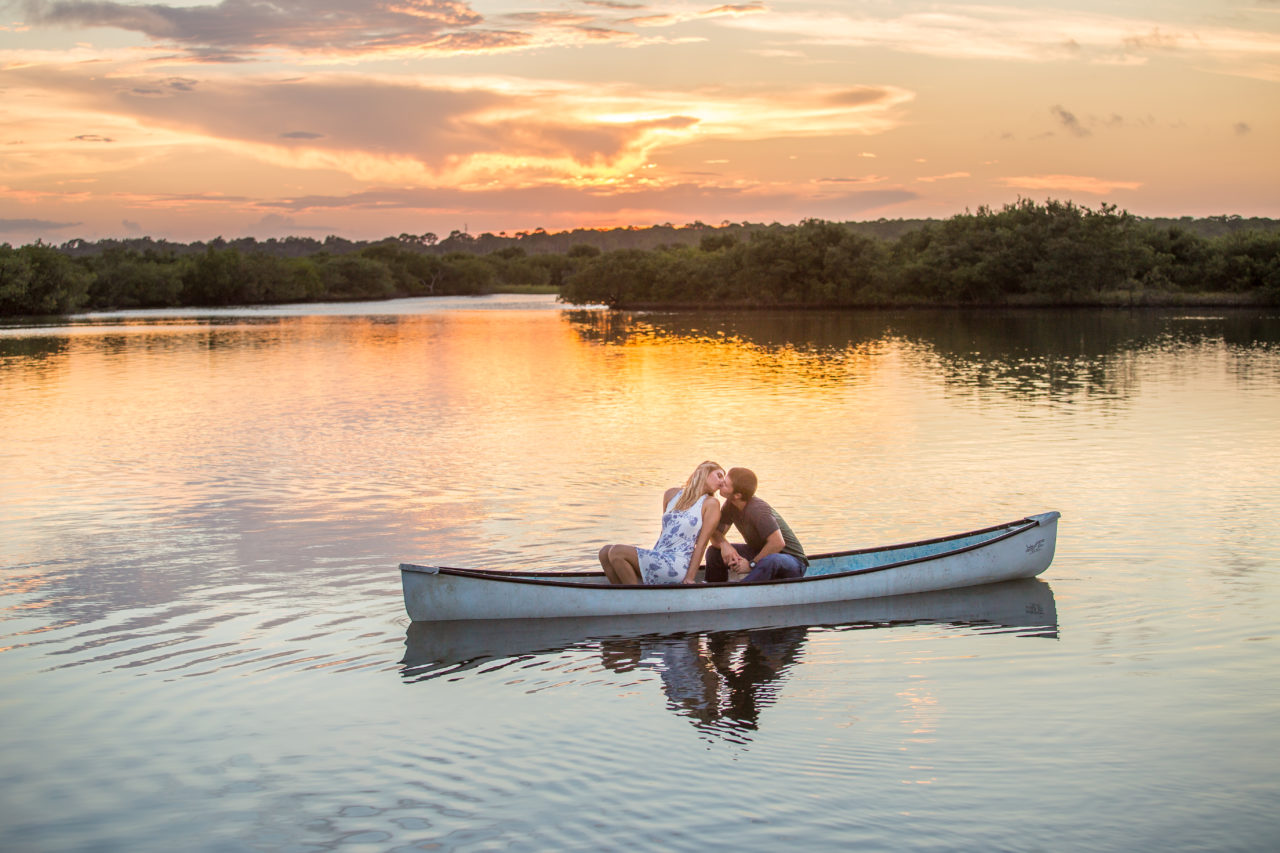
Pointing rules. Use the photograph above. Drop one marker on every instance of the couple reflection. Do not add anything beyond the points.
(721, 680)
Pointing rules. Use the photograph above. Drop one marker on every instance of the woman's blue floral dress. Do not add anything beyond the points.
(668, 560)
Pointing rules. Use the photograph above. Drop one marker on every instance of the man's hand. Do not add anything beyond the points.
(736, 562)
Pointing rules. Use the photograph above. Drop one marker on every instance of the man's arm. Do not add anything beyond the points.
(735, 561)
(728, 553)
(763, 518)
(773, 545)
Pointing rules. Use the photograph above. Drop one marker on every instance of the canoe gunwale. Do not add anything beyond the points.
(1011, 529)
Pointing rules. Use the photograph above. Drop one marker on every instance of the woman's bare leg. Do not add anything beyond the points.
(607, 565)
(625, 563)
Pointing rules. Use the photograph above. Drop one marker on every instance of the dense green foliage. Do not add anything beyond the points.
(1026, 253)
(41, 279)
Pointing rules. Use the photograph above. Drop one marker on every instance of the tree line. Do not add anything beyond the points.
(1026, 253)
(1050, 253)
(539, 241)
(41, 279)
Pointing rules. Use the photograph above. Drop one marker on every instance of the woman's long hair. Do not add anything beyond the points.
(695, 486)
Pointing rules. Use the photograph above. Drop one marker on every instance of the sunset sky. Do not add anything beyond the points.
(192, 119)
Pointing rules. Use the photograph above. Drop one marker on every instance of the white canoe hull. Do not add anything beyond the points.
(1020, 549)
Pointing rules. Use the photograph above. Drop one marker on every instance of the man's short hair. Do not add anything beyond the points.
(744, 482)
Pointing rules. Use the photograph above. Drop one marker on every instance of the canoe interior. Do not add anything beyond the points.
(872, 558)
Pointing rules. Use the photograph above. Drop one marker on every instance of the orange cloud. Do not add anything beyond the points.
(1031, 35)
(1070, 183)
(653, 20)
(735, 10)
(428, 132)
(667, 19)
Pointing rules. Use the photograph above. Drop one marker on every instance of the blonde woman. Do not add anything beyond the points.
(690, 515)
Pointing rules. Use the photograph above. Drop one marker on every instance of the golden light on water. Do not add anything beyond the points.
(552, 415)
(590, 410)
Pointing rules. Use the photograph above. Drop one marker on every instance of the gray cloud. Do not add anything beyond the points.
(19, 225)
(1153, 39)
(273, 224)
(354, 113)
(236, 30)
(1069, 121)
(91, 137)
(339, 114)
(558, 201)
(860, 96)
(219, 32)
(561, 18)
(1242, 128)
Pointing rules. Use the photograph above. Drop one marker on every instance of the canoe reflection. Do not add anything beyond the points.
(732, 646)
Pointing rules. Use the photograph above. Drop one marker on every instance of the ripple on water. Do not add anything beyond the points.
(194, 642)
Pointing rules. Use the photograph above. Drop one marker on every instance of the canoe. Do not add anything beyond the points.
(1018, 549)
(1026, 606)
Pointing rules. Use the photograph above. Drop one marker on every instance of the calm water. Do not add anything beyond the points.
(203, 644)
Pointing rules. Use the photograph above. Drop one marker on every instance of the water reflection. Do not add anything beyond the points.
(720, 680)
(1023, 353)
(200, 523)
(150, 461)
(721, 669)
(1081, 332)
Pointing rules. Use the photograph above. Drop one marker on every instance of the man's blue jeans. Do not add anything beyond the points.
(772, 567)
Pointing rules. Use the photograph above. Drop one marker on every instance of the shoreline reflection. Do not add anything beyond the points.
(719, 669)
(1024, 353)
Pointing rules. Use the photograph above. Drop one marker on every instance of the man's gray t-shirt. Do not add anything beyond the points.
(756, 522)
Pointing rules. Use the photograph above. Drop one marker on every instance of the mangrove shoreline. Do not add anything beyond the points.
(1055, 254)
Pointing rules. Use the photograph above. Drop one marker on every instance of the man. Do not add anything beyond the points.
(771, 551)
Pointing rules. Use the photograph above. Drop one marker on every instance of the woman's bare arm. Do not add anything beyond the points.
(710, 518)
